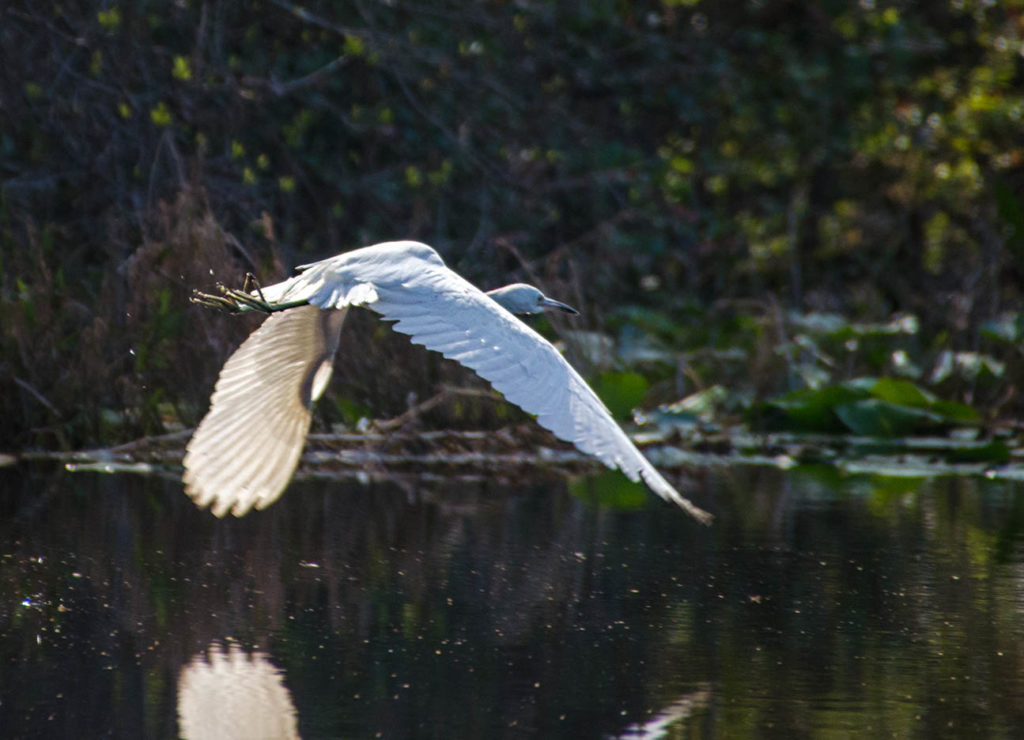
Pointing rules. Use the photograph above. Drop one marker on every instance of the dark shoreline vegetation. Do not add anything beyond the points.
(796, 218)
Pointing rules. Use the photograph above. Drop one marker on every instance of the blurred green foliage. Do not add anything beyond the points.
(882, 407)
(697, 163)
(621, 391)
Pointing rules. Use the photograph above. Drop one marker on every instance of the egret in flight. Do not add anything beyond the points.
(247, 446)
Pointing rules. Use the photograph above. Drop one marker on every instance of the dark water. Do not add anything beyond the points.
(814, 607)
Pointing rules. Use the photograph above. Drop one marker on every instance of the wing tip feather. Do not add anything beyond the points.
(664, 489)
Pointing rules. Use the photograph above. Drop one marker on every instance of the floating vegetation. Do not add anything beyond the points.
(880, 407)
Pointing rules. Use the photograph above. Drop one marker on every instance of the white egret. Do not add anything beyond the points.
(246, 448)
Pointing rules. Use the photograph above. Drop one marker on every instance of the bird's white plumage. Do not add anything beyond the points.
(246, 448)
(409, 284)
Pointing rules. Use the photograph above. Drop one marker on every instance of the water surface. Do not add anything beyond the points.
(815, 606)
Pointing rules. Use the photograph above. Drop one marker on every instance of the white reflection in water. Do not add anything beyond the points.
(228, 693)
(658, 726)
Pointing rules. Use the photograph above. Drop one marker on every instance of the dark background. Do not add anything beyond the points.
(687, 170)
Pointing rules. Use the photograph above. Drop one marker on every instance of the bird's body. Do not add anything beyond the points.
(246, 448)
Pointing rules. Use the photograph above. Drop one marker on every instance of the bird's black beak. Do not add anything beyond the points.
(549, 304)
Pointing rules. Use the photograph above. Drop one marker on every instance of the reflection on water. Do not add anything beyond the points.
(226, 692)
(661, 723)
(815, 605)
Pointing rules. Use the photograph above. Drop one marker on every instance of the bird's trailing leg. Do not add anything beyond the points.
(233, 300)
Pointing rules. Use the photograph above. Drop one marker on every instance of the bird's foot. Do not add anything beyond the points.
(233, 300)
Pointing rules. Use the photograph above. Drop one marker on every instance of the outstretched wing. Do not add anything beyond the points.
(247, 446)
(408, 283)
(463, 324)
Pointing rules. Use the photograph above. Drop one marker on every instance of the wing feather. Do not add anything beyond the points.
(246, 449)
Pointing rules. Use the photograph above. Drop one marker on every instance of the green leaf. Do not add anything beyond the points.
(995, 451)
(873, 417)
(865, 385)
(872, 407)
(812, 409)
(957, 413)
(621, 392)
(902, 392)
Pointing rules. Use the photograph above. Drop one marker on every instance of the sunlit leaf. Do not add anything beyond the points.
(902, 392)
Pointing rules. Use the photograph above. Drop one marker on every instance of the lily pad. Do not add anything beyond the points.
(812, 410)
(901, 392)
(884, 407)
(959, 413)
(873, 417)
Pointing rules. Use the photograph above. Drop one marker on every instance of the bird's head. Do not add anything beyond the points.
(520, 298)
